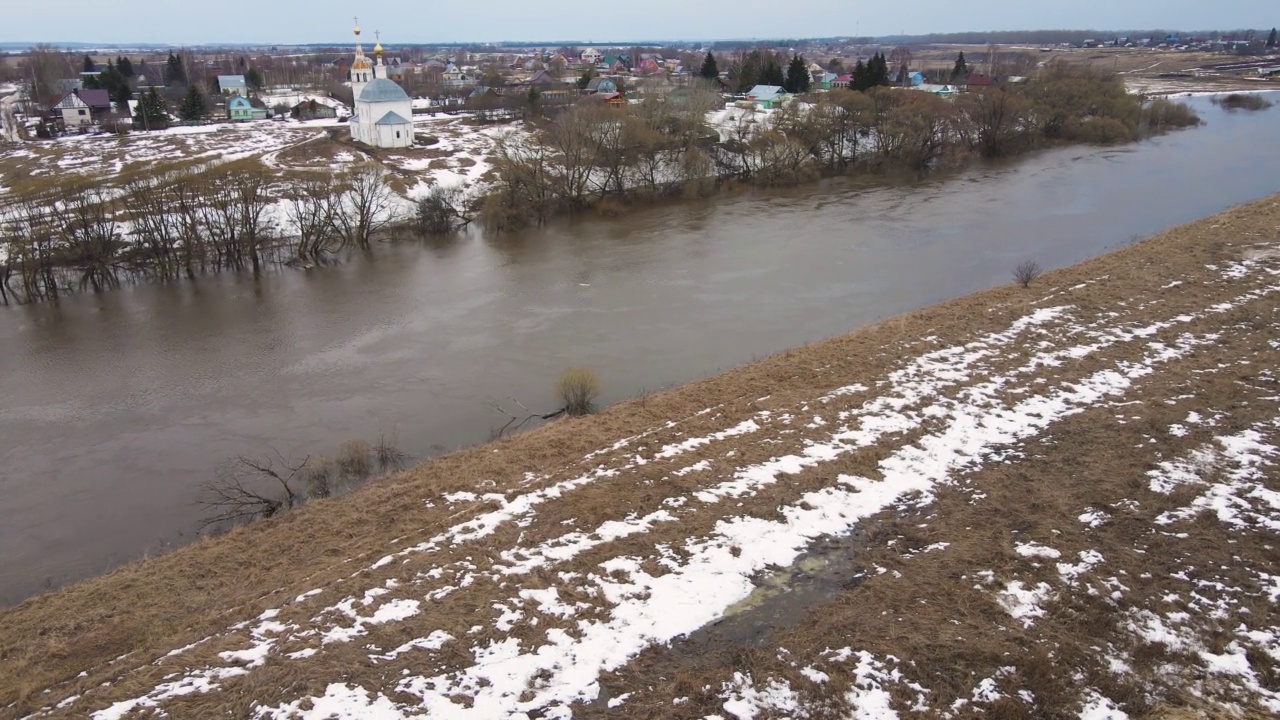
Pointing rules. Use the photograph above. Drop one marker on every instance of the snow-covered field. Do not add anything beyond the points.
(461, 157)
(1073, 509)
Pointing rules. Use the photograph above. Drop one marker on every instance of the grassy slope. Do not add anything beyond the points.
(934, 611)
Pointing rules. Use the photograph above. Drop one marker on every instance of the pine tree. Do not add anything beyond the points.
(961, 68)
(709, 71)
(122, 94)
(89, 65)
(253, 78)
(584, 80)
(882, 76)
(859, 78)
(151, 112)
(125, 66)
(193, 107)
(174, 72)
(798, 78)
(1271, 40)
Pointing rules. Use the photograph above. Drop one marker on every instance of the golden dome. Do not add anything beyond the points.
(362, 63)
(357, 30)
(378, 48)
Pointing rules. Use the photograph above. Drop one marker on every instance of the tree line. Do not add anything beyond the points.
(593, 157)
(182, 222)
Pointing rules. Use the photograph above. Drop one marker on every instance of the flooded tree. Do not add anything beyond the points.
(364, 206)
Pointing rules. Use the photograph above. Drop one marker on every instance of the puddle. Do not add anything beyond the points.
(780, 601)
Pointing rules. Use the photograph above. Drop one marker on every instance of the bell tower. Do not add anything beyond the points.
(361, 68)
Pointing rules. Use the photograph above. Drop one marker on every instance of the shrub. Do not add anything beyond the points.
(578, 388)
(317, 477)
(1241, 101)
(1027, 272)
(1163, 113)
(388, 455)
(442, 210)
(355, 460)
(1102, 130)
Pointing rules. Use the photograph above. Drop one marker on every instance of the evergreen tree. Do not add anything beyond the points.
(771, 71)
(174, 72)
(798, 78)
(91, 82)
(835, 66)
(709, 71)
(122, 95)
(860, 76)
(253, 78)
(89, 65)
(125, 66)
(193, 106)
(584, 80)
(151, 112)
(882, 76)
(961, 68)
(1271, 40)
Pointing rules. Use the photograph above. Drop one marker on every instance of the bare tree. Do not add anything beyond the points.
(1027, 272)
(364, 206)
(443, 210)
(311, 202)
(249, 489)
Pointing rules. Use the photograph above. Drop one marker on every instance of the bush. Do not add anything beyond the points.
(389, 456)
(355, 460)
(1241, 101)
(1102, 131)
(1027, 273)
(1163, 113)
(317, 477)
(578, 388)
(442, 210)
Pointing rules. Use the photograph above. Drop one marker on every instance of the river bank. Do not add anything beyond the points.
(119, 406)
(1069, 485)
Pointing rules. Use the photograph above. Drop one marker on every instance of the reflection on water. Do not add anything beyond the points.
(116, 406)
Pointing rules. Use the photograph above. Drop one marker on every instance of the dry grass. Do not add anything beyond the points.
(923, 609)
(578, 389)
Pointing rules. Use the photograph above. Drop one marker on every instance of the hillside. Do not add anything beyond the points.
(1054, 501)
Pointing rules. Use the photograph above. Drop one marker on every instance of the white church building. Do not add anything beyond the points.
(384, 114)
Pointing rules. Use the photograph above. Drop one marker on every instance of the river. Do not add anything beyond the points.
(115, 407)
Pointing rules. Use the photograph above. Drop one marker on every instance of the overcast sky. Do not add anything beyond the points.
(321, 21)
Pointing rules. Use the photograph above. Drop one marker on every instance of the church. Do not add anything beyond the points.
(383, 114)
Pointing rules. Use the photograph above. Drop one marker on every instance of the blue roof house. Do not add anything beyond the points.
(768, 96)
(240, 108)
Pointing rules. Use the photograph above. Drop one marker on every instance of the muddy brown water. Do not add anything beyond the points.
(113, 408)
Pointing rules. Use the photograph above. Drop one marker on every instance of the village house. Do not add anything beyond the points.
(591, 56)
(81, 107)
(312, 110)
(451, 76)
(601, 85)
(614, 101)
(768, 97)
(654, 86)
(242, 109)
(232, 85)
